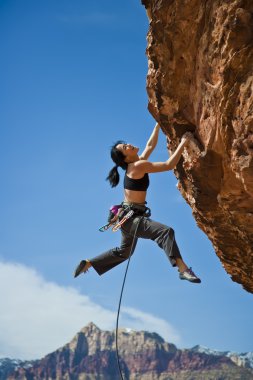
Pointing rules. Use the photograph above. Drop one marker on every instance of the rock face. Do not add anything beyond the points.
(8, 366)
(143, 356)
(200, 79)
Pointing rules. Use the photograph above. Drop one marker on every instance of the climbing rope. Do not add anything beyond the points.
(122, 289)
(121, 294)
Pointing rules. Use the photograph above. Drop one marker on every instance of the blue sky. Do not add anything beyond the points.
(73, 81)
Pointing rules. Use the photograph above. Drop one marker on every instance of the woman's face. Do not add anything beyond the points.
(128, 150)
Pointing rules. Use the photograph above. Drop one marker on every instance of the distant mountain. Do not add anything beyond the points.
(144, 356)
(8, 366)
(242, 360)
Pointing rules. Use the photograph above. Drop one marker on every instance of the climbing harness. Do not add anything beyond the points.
(119, 214)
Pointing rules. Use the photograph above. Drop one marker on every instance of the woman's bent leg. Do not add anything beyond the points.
(164, 236)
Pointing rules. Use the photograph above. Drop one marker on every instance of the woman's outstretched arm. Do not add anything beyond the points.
(154, 167)
(151, 144)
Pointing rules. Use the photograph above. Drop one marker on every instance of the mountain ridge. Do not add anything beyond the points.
(91, 355)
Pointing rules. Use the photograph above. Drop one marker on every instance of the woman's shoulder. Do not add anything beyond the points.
(140, 162)
(137, 167)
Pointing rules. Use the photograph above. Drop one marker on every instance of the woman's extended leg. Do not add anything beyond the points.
(110, 258)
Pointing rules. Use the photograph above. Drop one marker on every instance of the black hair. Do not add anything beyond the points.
(119, 159)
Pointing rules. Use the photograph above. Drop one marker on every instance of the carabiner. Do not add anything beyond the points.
(123, 220)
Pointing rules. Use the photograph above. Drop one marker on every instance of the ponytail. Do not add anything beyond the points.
(119, 159)
(113, 176)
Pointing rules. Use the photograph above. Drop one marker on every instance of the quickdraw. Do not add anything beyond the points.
(123, 220)
(106, 227)
(116, 226)
(112, 217)
(114, 220)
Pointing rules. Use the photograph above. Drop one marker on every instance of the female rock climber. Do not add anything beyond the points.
(136, 182)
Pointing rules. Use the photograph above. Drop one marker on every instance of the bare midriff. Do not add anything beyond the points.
(135, 196)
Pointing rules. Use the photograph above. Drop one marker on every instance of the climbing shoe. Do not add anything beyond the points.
(189, 275)
(82, 267)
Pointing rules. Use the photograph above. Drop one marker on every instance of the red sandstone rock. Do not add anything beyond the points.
(200, 79)
(143, 356)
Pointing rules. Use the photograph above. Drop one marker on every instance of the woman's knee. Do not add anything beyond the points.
(171, 233)
(123, 252)
(165, 236)
(168, 232)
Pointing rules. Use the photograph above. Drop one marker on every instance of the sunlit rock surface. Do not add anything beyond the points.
(200, 59)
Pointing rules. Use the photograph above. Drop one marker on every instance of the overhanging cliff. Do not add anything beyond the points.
(200, 79)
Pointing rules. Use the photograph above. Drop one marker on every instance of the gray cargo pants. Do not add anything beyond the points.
(147, 229)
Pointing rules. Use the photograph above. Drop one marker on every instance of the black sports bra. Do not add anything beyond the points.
(140, 184)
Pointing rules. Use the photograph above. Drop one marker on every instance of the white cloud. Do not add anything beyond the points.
(38, 316)
(146, 321)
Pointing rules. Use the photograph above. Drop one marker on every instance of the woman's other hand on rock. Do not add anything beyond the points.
(187, 137)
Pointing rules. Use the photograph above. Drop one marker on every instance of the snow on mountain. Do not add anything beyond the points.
(243, 359)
